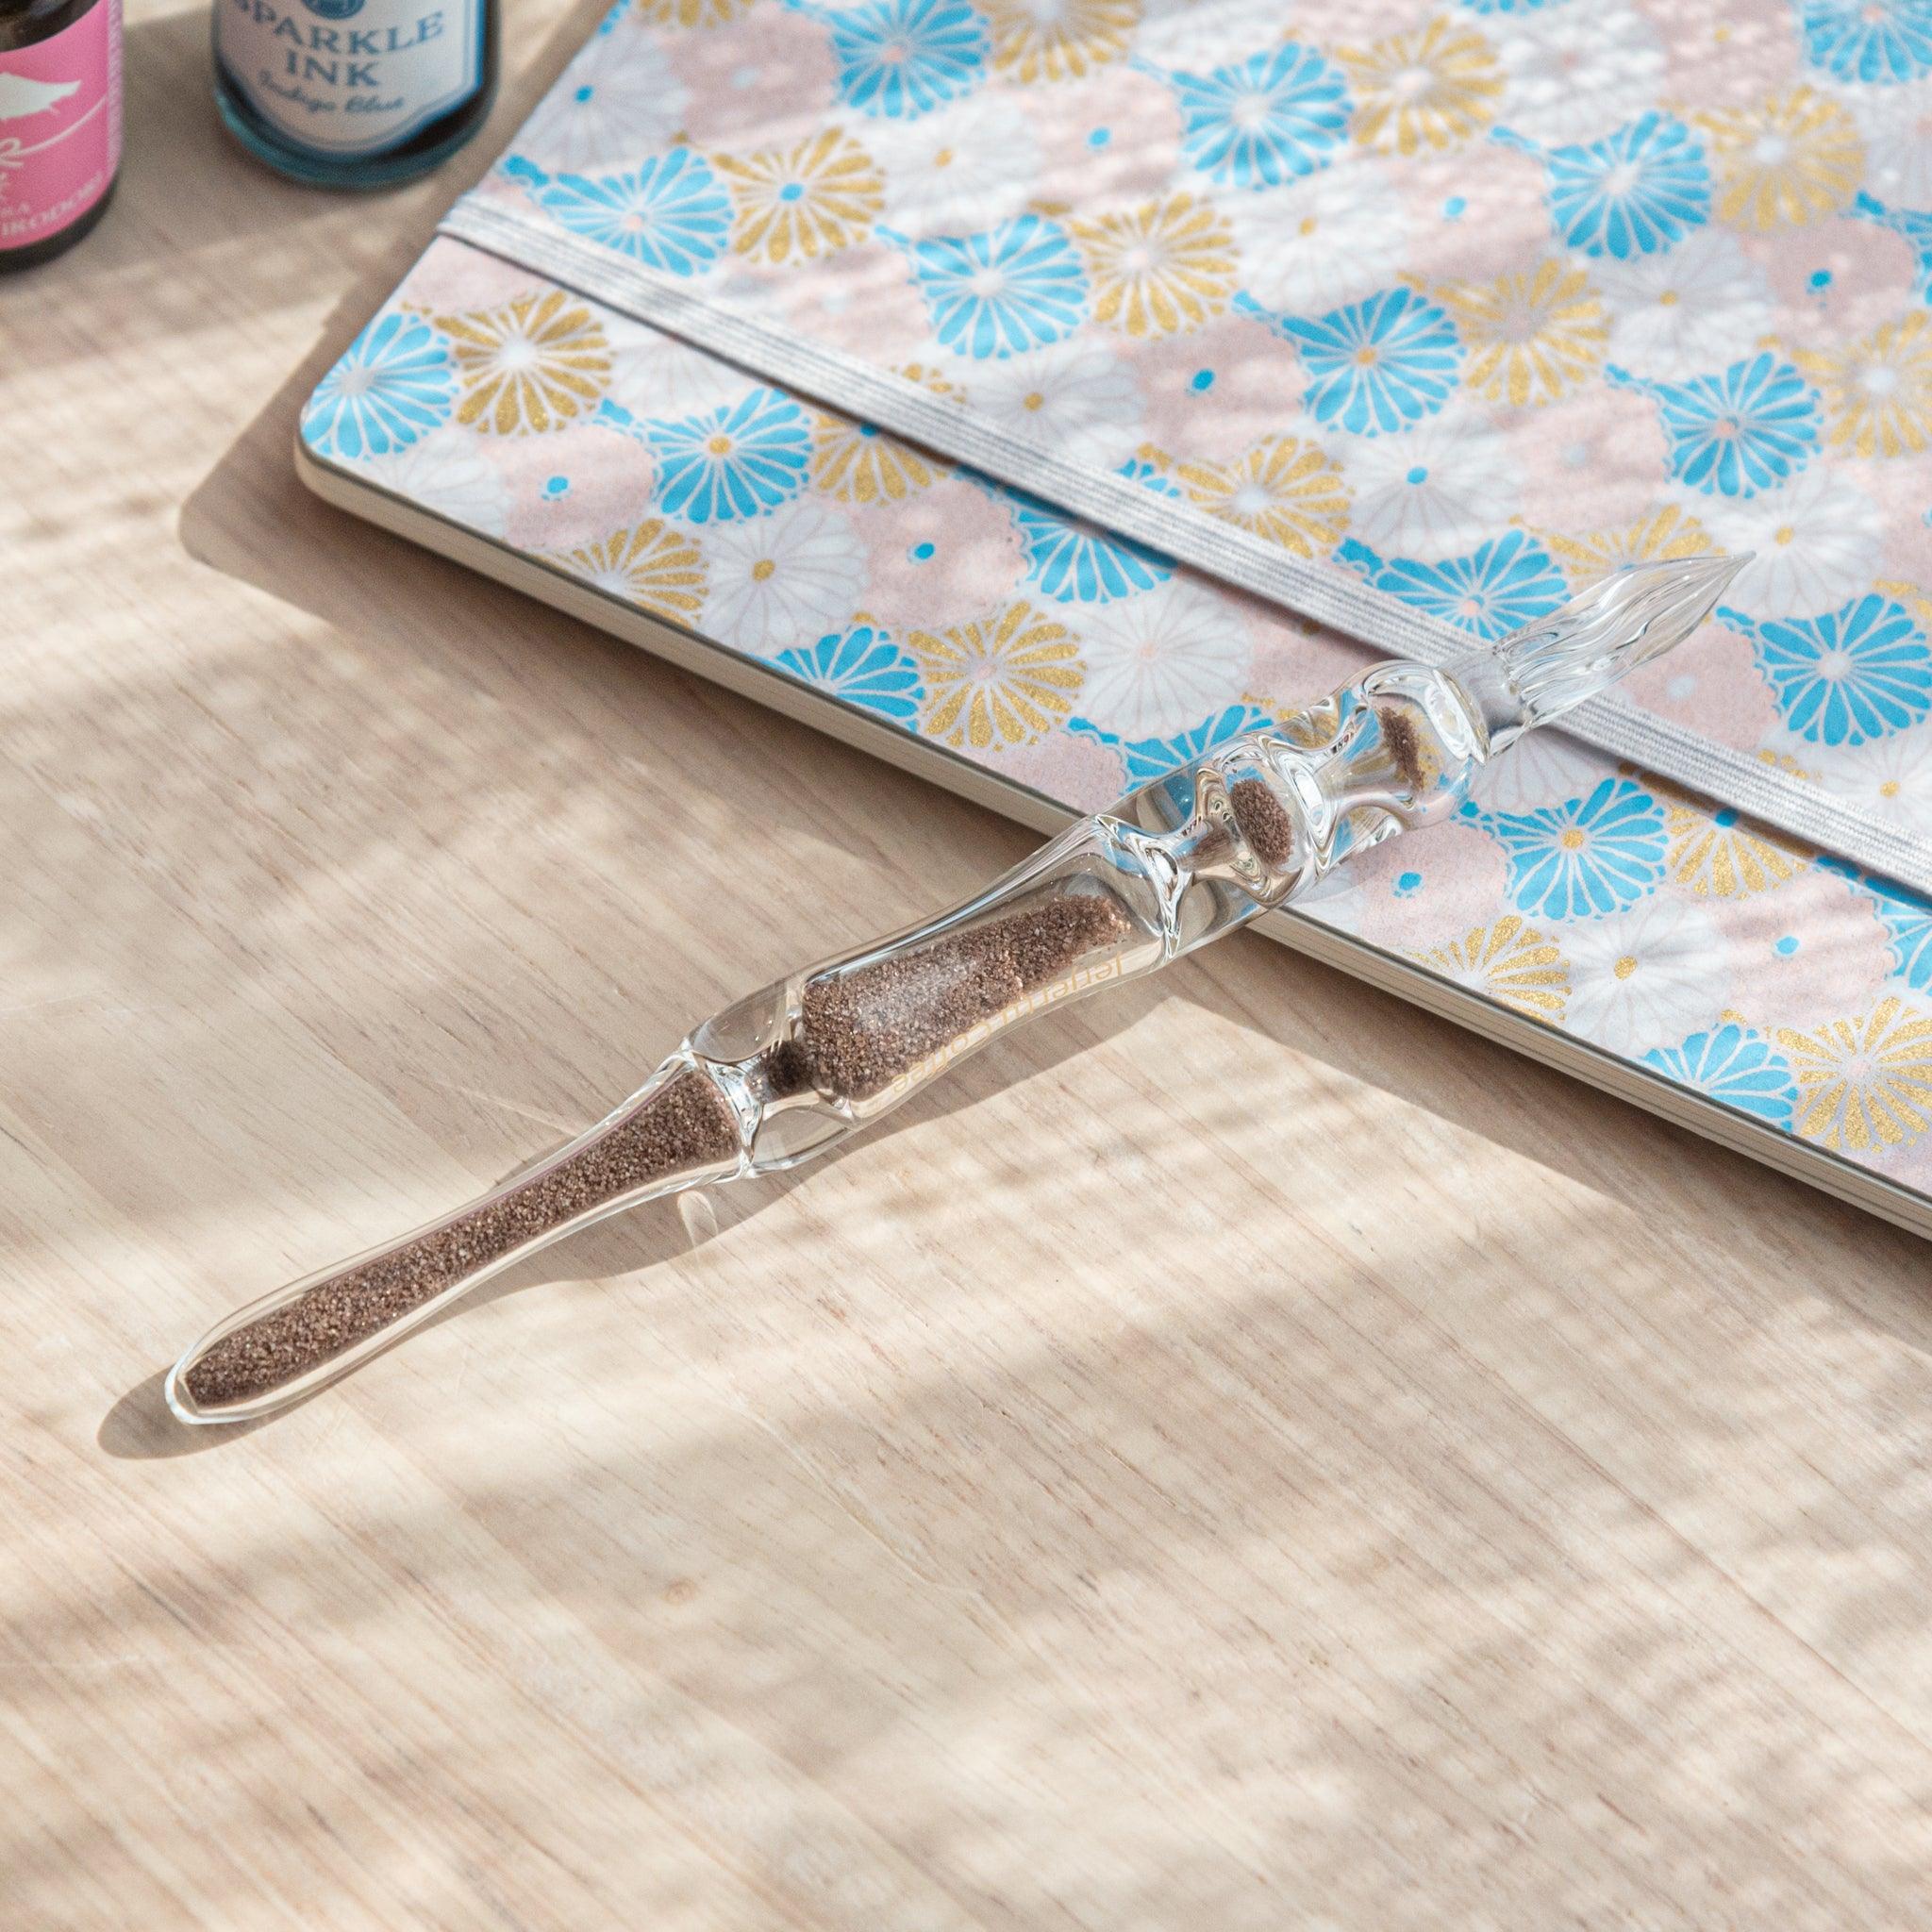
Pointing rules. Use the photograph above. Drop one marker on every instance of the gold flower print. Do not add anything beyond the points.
(1531, 335)
(1877, 390)
(1059, 40)
(1004, 679)
(1429, 89)
(1785, 162)
(1284, 489)
(1719, 856)
(1510, 962)
(655, 565)
(689, 13)
(532, 365)
(798, 202)
(1156, 270)
(856, 462)
(1665, 533)
(1863, 1084)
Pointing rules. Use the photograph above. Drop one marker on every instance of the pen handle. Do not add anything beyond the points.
(804, 1063)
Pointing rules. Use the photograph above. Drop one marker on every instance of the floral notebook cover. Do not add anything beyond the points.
(1071, 384)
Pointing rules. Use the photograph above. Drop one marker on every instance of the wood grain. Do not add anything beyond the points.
(1249, 1457)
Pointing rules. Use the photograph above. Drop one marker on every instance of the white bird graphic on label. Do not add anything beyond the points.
(20, 96)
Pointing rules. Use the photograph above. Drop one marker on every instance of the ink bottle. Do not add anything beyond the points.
(355, 93)
(59, 124)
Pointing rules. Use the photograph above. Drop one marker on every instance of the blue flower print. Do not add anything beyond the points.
(737, 461)
(864, 667)
(1736, 433)
(1151, 757)
(1736, 1068)
(1004, 291)
(1149, 477)
(393, 384)
(668, 214)
(1585, 858)
(1633, 192)
(1508, 583)
(1377, 366)
(902, 58)
(1881, 41)
(1074, 563)
(1846, 676)
(1265, 120)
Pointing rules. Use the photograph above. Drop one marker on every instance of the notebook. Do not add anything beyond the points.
(1037, 392)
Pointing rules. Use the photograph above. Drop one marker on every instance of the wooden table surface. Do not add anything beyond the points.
(1247, 1455)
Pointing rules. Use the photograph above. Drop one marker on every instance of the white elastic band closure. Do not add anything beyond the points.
(1175, 529)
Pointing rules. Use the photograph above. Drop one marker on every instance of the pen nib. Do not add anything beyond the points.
(1622, 621)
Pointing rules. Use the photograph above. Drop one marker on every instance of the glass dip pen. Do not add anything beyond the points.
(799, 1067)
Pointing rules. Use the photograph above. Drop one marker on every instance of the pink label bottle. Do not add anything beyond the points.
(59, 124)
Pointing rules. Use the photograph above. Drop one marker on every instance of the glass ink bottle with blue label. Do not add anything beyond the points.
(355, 93)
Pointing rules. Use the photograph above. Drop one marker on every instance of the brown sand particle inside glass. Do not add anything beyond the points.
(685, 1124)
(1404, 744)
(859, 1031)
(1264, 821)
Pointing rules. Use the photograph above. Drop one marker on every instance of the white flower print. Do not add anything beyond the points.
(1576, 72)
(1311, 245)
(1895, 124)
(1077, 399)
(1890, 778)
(654, 374)
(1543, 768)
(963, 169)
(1689, 310)
(1197, 36)
(446, 473)
(1646, 977)
(1161, 661)
(1816, 542)
(1441, 490)
(618, 101)
(784, 579)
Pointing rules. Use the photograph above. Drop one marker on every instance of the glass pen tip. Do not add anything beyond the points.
(1628, 618)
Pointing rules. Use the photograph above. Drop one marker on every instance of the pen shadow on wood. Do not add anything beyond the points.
(641, 1240)
(1632, 1157)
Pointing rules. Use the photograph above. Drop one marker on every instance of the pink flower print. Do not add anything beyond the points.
(1106, 141)
(1077, 770)
(1592, 460)
(452, 276)
(862, 300)
(1835, 281)
(1295, 662)
(1467, 222)
(1805, 952)
(949, 553)
(1417, 893)
(763, 87)
(1725, 58)
(1216, 392)
(572, 486)
(1711, 685)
